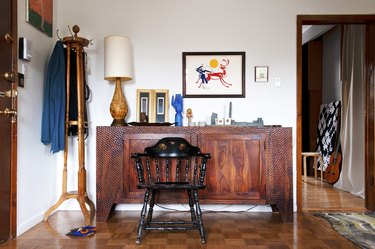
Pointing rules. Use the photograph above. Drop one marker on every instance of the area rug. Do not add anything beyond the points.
(357, 227)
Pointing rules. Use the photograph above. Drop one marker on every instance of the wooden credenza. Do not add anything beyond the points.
(249, 165)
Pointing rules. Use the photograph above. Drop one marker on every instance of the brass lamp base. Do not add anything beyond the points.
(118, 107)
(119, 122)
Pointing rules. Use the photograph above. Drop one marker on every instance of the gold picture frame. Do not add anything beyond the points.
(154, 103)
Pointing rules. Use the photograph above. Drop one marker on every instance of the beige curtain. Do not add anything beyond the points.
(352, 135)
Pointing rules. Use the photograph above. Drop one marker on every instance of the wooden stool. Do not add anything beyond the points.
(316, 156)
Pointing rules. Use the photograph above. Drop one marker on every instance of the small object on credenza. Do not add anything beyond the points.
(189, 115)
(257, 123)
(143, 117)
(213, 118)
(227, 121)
(150, 124)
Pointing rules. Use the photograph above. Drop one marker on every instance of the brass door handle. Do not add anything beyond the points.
(8, 38)
(9, 93)
(7, 112)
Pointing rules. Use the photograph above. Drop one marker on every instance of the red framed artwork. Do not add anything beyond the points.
(39, 13)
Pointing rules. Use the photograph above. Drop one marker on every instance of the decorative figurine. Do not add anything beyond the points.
(143, 117)
(178, 106)
(189, 115)
(214, 118)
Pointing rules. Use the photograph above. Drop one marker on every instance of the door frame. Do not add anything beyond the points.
(370, 98)
(13, 149)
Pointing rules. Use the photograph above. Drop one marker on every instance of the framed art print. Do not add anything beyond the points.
(213, 74)
(144, 104)
(261, 74)
(161, 103)
(152, 104)
(39, 13)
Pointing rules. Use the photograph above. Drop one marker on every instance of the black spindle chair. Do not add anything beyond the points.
(171, 164)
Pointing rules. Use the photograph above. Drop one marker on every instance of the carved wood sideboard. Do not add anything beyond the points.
(249, 165)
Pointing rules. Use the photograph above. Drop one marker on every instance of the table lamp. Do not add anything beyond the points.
(118, 67)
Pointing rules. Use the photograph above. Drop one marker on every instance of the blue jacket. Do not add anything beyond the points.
(54, 100)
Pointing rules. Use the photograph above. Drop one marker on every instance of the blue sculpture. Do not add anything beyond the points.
(178, 106)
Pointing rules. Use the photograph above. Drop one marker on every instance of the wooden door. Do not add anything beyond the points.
(236, 172)
(8, 122)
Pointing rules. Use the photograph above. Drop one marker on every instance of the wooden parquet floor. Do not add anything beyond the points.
(237, 230)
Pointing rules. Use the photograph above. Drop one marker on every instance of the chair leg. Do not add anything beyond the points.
(191, 204)
(151, 209)
(199, 217)
(315, 167)
(142, 220)
(321, 171)
(304, 168)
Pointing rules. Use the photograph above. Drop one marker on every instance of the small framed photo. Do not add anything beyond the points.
(261, 74)
(161, 103)
(144, 105)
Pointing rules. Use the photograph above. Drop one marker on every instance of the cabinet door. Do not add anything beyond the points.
(236, 171)
(137, 143)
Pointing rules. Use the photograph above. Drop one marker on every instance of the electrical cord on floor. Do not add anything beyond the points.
(228, 211)
(170, 209)
(207, 210)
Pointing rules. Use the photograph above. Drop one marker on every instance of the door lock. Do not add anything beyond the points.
(9, 113)
(10, 76)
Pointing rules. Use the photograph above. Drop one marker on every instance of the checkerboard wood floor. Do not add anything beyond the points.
(261, 230)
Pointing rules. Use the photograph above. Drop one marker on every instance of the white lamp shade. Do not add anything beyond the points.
(117, 58)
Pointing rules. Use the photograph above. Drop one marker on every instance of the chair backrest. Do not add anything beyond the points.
(172, 160)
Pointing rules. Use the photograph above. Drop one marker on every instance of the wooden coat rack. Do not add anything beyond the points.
(75, 43)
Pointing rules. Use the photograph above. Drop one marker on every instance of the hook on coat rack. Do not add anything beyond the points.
(57, 34)
(70, 31)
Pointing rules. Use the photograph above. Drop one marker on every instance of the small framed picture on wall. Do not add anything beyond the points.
(261, 74)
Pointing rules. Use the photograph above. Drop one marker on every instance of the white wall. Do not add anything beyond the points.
(160, 31)
(37, 173)
(331, 65)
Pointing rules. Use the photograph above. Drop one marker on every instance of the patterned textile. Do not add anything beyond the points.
(327, 130)
(82, 231)
(359, 228)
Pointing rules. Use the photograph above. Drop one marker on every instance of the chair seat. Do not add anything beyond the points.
(310, 153)
(316, 156)
(171, 185)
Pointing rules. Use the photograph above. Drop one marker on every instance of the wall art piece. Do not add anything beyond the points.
(213, 74)
(39, 13)
(152, 105)
(261, 74)
(144, 105)
(161, 100)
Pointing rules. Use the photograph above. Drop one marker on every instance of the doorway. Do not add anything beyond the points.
(368, 20)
